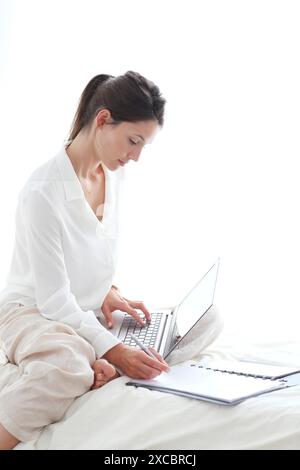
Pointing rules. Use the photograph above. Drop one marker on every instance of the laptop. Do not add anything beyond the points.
(169, 326)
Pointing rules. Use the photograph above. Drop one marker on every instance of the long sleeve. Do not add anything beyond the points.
(54, 298)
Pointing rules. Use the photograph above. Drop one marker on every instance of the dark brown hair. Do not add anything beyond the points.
(129, 97)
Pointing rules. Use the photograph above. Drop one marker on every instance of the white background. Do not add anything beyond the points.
(220, 179)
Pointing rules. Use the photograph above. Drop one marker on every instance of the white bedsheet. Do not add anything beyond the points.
(120, 417)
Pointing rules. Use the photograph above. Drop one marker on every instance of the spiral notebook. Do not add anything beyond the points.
(222, 382)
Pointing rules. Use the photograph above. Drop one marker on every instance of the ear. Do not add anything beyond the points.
(103, 117)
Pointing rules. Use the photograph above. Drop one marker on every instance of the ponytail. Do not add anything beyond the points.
(84, 111)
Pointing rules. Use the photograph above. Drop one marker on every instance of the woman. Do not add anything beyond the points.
(64, 260)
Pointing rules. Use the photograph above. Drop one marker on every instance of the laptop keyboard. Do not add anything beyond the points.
(146, 334)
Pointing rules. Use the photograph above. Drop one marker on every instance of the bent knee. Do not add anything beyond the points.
(63, 369)
(61, 354)
(61, 343)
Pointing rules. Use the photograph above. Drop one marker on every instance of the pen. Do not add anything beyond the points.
(142, 346)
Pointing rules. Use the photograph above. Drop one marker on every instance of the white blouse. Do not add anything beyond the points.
(64, 258)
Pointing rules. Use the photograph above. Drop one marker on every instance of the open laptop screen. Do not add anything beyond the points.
(197, 302)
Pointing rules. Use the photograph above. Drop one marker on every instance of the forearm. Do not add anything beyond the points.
(116, 354)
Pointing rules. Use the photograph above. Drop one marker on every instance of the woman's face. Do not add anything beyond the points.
(118, 144)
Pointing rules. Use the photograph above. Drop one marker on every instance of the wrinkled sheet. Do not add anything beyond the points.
(120, 417)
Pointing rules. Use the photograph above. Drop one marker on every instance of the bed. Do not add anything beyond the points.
(119, 417)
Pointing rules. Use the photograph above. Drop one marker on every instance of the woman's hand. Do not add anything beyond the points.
(136, 363)
(115, 301)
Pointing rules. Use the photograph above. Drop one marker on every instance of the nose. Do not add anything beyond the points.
(134, 156)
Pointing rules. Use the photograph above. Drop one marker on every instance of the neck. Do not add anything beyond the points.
(83, 157)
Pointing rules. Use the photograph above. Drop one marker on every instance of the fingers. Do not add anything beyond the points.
(140, 305)
(128, 309)
(159, 357)
(114, 301)
(108, 316)
(158, 364)
(151, 369)
(138, 365)
(149, 373)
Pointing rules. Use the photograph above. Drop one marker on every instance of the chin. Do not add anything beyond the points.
(112, 166)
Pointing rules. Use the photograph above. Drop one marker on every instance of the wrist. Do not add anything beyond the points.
(114, 355)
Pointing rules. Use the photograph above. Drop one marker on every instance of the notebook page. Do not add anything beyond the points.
(253, 368)
(190, 379)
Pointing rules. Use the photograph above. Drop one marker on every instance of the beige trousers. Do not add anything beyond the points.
(50, 365)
